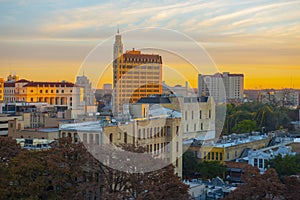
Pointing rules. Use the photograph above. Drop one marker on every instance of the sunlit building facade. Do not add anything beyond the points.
(59, 94)
(135, 75)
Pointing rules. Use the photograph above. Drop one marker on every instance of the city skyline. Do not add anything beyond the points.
(256, 38)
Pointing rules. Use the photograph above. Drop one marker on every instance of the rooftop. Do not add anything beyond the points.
(230, 142)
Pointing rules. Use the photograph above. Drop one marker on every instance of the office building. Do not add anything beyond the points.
(223, 87)
(135, 75)
(88, 94)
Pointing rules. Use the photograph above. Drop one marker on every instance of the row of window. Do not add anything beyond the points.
(146, 133)
(192, 115)
(160, 147)
(213, 156)
(51, 91)
(195, 127)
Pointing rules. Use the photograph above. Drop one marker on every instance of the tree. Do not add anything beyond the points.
(211, 169)
(287, 165)
(8, 149)
(292, 187)
(245, 126)
(190, 164)
(257, 186)
(133, 174)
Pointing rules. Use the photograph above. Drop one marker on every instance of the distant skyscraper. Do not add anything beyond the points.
(135, 75)
(86, 85)
(222, 87)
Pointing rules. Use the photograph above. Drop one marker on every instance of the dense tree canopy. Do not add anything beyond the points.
(267, 117)
(286, 165)
(69, 171)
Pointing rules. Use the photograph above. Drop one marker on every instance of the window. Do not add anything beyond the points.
(91, 138)
(125, 137)
(139, 134)
(46, 91)
(51, 91)
(200, 114)
(62, 91)
(187, 128)
(201, 126)
(177, 147)
(84, 138)
(255, 162)
(41, 91)
(168, 131)
(194, 127)
(212, 155)
(208, 156)
(177, 129)
(260, 163)
(227, 156)
(111, 138)
(209, 114)
(57, 91)
(185, 115)
(217, 156)
(235, 154)
(204, 155)
(144, 134)
(221, 156)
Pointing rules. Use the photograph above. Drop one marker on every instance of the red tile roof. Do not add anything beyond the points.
(9, 84)
(50, 84)
(22, 81)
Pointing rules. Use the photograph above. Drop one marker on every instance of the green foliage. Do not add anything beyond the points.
(245, 126)
(269, 117)
(287, 165)
(190, 164)
(211, 169)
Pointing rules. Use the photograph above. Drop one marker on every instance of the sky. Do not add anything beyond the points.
(51, 40)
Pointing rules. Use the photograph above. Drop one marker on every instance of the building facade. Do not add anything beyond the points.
(135, 75)
(60, 94)
(161, 137)
(88, 94)
(1, 89)
(228, 151)
(223, 87)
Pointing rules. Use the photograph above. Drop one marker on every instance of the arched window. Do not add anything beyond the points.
(125, 138)
(111, 138)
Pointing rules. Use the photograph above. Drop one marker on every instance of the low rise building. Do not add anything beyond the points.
(160, 136)
(228, 150)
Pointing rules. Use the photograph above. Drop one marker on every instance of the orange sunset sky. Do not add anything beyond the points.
(51, 40)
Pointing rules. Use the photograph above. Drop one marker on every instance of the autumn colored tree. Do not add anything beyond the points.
(258, 186)
(133, 174)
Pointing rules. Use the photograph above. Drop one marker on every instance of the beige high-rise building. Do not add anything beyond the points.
(1, 89)
(223, 87)
(135, 75)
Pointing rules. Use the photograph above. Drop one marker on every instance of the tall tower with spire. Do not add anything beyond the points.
(118, 46)
(117, 54)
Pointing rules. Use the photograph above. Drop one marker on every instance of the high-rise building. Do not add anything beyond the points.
(222, 87)
(86, 85)
(135, 75)
(1, 89)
